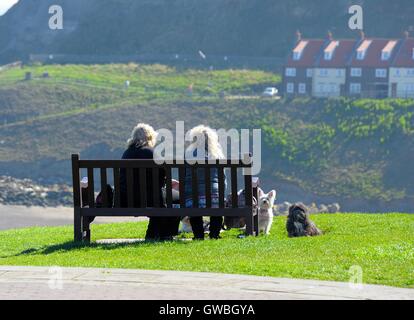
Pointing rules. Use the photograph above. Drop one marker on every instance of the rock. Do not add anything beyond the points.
(334, 208)
(283, 209)
(323, 209)
(28, 193)
(313, 208)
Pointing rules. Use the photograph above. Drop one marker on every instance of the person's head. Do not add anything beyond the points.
(143, 135)
(206, 139)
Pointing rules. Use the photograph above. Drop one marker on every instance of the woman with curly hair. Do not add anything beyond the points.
(205, 146)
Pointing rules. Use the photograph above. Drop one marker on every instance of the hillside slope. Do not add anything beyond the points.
(357, 152)
(218, 27)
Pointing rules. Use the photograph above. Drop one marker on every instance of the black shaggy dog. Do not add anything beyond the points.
(298, 222)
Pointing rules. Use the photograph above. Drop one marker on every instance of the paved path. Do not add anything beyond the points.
(14, 217)
(81, 283)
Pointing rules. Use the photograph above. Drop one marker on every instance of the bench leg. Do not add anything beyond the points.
(250, 225)
(77, 225)
(86, 230)
(256, 223)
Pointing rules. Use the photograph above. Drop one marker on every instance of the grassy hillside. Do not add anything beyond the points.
(385, 257)
(339, 148)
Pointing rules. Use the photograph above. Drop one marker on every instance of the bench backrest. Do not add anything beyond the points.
(143, 165)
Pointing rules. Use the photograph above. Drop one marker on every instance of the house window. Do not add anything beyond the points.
(381, 73)
(398, 73)
(290, 87)
(302, 88)
(413, 53)
(409, 90)
(355, 88)
(360, 55)
(385, 55)
(356, 72)
(323, 72)
(320, 87)
(410, 72)
(290, 72)
(339, 73)
(296, 55)
(328, 55)
(309, 73)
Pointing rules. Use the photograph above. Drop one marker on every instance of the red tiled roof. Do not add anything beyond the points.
(340, 56)
(309, 55)
(373, 56)
(345, 53)
(404, 56)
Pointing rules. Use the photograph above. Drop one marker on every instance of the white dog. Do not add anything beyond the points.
(186, 226)
(266, 211)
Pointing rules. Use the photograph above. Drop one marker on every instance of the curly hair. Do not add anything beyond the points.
(206, 140)
(143, 135)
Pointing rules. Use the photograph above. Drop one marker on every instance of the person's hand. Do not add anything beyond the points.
(175, 184)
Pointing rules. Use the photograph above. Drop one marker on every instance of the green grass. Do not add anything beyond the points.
(77, 89)
(144, 78)
(382, 245)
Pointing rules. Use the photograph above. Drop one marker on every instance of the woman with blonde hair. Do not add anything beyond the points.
(205, 146)
(141, 146)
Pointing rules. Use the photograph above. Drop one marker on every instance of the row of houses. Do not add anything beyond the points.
(364, 67)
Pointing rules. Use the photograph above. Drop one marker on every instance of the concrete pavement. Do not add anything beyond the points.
(85, 284)
(15, 217)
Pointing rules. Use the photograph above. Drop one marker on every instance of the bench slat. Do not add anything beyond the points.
(117, 185)
(91, 188)
(104, 188)
(181, 178)
(234, 189)
(156, 186)
(129, 163)
(194, 187)
(130, 187)
(168, 186)
(208, 187)
(166, 212)
(221, 187)
(143, 187)
(248, 190)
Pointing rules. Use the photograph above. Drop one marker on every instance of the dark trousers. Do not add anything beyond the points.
(164, 228)
(198, 228)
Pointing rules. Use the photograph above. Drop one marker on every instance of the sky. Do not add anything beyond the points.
(6, 5)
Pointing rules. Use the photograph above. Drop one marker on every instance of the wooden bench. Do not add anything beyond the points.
(82, 214)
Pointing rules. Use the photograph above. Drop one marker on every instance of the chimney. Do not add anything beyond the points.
(330, 36)
(298, 35)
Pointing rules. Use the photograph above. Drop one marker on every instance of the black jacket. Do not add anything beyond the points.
(134, 152)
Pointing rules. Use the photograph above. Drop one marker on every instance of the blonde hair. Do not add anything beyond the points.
(206, 140)
(143, 135)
